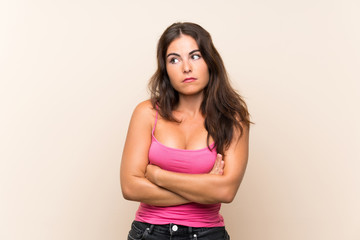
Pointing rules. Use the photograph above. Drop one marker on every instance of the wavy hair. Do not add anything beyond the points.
(223, 108)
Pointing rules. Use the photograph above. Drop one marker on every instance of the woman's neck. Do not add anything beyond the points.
(190, 104)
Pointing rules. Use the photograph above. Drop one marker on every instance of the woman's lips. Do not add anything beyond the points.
(188, 80)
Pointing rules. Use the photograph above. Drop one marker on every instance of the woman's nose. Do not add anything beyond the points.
(187, 67)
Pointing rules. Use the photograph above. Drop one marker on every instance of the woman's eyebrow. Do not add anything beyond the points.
(196, 50)
(178, 55)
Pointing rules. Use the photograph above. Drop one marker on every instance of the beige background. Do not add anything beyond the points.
(71, 72)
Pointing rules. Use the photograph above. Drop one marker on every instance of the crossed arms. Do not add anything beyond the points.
(152, 185)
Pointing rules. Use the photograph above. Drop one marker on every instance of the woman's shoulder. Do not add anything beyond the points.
(144, 111)
(144, 106)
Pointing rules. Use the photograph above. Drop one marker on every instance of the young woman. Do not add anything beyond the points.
(187, 147)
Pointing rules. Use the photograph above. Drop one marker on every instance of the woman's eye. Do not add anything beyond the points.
(195, 56)
(174, 60)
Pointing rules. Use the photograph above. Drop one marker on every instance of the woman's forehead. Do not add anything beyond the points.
(182, 45)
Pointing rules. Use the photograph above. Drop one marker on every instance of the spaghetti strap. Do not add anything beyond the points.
(156, 118)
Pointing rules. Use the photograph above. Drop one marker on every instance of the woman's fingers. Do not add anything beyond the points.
(221, 168)
(218, 167)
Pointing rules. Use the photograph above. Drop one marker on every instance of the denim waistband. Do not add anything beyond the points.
(173, 228)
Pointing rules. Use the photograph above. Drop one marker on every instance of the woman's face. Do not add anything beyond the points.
(186, 68)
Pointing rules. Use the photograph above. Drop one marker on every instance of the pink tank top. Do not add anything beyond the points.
(182, 161)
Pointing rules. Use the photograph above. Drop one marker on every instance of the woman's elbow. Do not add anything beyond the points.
(126, 192)
(223, 197)
(228, 198)
(228, 195)
(129, 191)
(130, 186)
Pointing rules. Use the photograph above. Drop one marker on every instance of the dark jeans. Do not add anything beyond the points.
(140, 230)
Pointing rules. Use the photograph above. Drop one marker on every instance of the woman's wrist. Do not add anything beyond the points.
(153, 174)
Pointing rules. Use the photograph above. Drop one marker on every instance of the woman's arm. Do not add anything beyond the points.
(208, 188)
(134, 161)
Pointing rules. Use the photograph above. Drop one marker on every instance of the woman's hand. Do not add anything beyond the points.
(218, 167)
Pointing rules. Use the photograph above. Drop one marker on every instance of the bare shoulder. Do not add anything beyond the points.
(144, 112)
(144, 106)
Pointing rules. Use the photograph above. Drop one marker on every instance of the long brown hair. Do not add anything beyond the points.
(223, 108)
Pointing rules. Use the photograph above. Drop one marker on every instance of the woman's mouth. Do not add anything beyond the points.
(188, 80)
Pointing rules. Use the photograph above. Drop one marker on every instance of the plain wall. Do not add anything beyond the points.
(71, 73)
